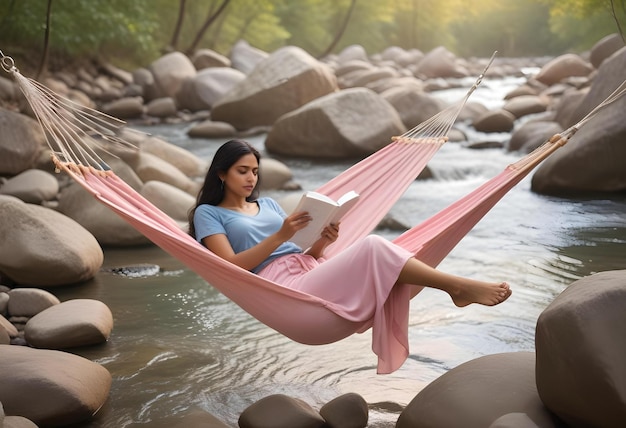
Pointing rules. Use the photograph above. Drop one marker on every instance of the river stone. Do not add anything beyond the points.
(289, 78)
(280, 411)
(184, 160)
(73, 323)
(211, 129)
(477, 393)
(514, 420)
(346, 411)
(414, 106)
(4, 302)
(581, 349)
(5, 339)
(245, 58)
(169, 199)
(604, 48)
(524, 105)
(125, 108)
(51, 388)
(151, 167)
(593, 159)
(274, 173)
(41, 247)
(562, 67)
(21, 140)
(440, 62)
(162, 107)
(18, 422)
(531, 135)
(170, 71)
(105, 225)
(499, 120)
(33, 186)
(351, 53)
(208, 58)
(28, 302)
(349, 123)
(205, 89)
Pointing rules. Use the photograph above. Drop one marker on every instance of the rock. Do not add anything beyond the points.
(514, 420)
(61, 388)
(32, 186)
(125, 108)
(208, 58)
(275, 174)
(495, 121)
(151, 167)
(105, 225)
(4, 302)
(531, 135)
(28, 302)
(145, 80)
(346, 411)
(170, 71)
(604, 48)
(207, 87)
(7, 90)
(286, 80)
(171, 200)
(212, 129)
(73, 323)
(592, 161)
(525, 105)
(497, 384)
(195, 418)
(5, 339)
(414, 106)
(440, 62)
(162, 107)
(581, 349)
(21, 140)
(349, 123)
(352, 53)
(62, 250)
(244, 57)
(280, 411)
(564, 66)
(18, 422)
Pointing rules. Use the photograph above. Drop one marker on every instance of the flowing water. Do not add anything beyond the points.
(178, 344)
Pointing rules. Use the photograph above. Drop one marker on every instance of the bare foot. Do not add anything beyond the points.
(485, 293)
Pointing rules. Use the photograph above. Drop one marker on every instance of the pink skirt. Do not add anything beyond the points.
(360, 284)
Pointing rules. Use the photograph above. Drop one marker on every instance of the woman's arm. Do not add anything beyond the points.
(254, 256)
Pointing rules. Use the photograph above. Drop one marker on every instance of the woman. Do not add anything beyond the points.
(254, 233)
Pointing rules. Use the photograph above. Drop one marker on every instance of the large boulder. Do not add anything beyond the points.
(531, 135)
(171, 200)
(28, 302)
(206, 88)
(581, 349)
(21, 140)
(170, 71)
(414, 105)
(479, 392)
(593, 159)
(440, 62)
(604, 48)
(61, 251)
(33, 186)
(280, 411)
(562, 67)
(51, 388)
(244, 57)
(349, 123)
(73, 323)
(286, 80)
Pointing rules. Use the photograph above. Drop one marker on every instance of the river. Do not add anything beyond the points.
(178, 344)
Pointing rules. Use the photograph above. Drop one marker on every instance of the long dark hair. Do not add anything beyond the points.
(212, 191)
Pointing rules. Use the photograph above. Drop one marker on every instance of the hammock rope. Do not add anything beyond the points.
(380, 178)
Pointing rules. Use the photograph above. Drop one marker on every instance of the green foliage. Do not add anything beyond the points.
(137, 31)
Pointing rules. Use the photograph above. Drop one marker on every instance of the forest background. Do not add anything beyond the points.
(132, 33)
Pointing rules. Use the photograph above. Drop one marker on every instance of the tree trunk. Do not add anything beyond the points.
(210, 19)
(340, 32)
(46, 44)
(179, 25)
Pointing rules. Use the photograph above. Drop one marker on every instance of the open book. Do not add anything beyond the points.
(323, 211)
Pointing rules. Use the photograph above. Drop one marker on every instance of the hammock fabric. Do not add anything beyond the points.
(380, 179)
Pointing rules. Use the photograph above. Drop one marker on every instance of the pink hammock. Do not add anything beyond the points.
(380, 180)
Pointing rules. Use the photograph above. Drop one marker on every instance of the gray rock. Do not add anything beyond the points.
(280, 411)
(346, 411)
(21, 140)
(61, 249)
(73, 323)
(32, 186)
(28, 302)
(581, 349)
(61, 388)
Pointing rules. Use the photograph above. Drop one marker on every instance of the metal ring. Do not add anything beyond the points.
(7, 63)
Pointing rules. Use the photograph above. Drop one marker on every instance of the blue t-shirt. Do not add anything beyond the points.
(244, 231)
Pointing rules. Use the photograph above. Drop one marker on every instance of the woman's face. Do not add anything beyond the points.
(242, 177)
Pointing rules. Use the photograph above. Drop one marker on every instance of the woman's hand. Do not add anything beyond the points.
(292, 224)
(328, 236)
